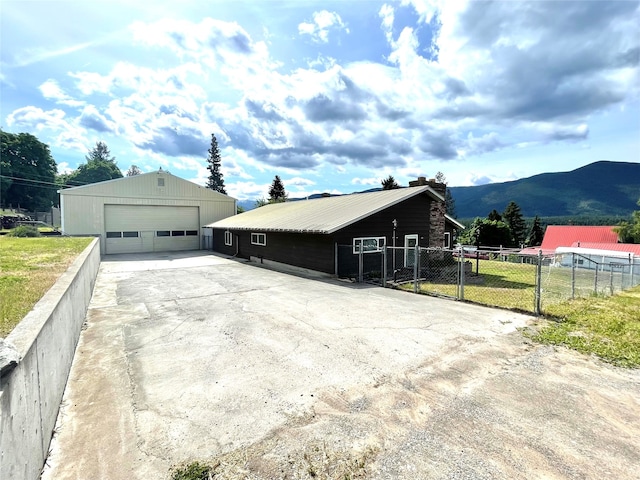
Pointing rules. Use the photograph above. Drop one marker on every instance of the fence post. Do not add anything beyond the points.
(462, 262)
(360, 267)
(595, 281)
(384, 266)
(610, 279)
(537, 295)
(573, 275)
(416, 262)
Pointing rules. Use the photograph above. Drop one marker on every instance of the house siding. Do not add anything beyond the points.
(315, 252)
(412, 217)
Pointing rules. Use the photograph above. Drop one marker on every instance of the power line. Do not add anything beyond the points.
(57, 185)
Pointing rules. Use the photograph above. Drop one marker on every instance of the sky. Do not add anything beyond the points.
(330, 96)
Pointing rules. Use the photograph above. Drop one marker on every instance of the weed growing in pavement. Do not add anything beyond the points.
(192, 471)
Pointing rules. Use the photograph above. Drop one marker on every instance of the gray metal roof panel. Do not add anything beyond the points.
(322, 215)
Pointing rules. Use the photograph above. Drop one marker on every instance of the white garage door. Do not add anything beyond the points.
(147, 228)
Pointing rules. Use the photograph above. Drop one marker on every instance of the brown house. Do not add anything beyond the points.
(310, 233)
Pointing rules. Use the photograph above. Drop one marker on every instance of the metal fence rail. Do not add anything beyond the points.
(498, 278)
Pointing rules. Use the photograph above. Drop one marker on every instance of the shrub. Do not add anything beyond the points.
(24, 231)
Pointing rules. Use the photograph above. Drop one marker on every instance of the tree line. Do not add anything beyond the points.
(29, 175)
(507, 229)
(29, 179)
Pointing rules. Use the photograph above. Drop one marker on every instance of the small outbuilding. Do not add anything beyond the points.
(151, 212)
(307, 233)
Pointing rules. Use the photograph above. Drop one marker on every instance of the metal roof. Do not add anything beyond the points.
(321, 215)
(618, 247)
(566, 235)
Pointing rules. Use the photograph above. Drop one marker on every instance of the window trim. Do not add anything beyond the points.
(447, 239)
(357, 243)
(255, 239)
(409, 252)
(228, 238)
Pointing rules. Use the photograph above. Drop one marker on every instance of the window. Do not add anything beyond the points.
(163, 233)
(130, 234)
(259, 239)
(192, 233)
(177, 233)
(447, 239)
(114, 234)
(228, 238)
(161, 182)
(368, 244)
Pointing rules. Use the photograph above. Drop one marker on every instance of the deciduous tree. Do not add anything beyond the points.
(629, 232)
(485, 232)
(214, 160)
(133, 171)
(28, 172)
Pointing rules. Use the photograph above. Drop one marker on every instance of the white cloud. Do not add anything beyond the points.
(366, 181)
(297, 182)
(323, 22)
(52, 91)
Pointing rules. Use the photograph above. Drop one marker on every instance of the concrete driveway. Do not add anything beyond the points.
(271, 375)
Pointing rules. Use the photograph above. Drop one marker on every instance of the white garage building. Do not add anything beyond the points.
(152, 212)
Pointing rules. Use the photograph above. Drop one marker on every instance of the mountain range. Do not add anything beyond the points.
(600, 189)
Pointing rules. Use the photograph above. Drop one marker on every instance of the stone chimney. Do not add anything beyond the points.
(437, 210)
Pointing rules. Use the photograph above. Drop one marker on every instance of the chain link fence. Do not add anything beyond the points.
(500, 278)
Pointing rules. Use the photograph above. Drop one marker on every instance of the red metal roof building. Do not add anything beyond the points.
(573, 236)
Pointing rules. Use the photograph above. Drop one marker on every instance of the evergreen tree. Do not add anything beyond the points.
(215, 181)
(133, 170)
(536, 234)
(494, 216)
(513, 217)
(100, 166)
(389, 183)
(276, 191)
(450, 204)
(100, 153)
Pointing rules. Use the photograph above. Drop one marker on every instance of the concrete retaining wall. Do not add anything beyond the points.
(45, 343)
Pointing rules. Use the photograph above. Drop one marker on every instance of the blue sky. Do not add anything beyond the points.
(330, 96)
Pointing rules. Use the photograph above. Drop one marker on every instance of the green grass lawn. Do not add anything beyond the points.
(500, 284)
(608, 327)
(598, 323)
(28, 268)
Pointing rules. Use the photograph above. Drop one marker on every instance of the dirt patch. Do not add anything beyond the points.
(500, 411)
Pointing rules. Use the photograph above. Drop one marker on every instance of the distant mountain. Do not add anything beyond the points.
(599, 189)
